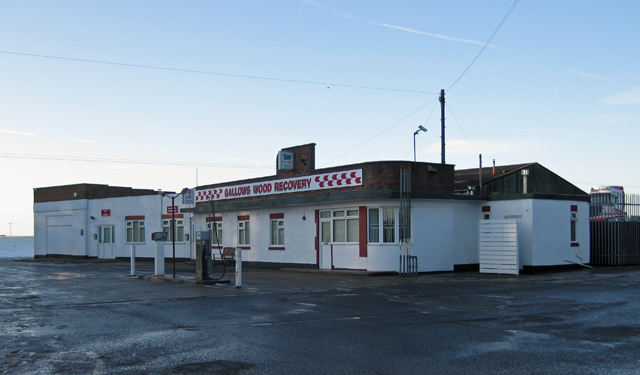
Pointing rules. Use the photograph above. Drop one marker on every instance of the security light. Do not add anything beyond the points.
(420, 128)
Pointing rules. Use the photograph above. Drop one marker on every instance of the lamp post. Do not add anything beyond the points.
(420, 128)
(173, 223)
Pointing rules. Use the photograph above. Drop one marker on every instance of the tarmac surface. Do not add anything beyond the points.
(91, 317)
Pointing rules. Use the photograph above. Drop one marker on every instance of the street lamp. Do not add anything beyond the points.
(420, 128)
(173, 223)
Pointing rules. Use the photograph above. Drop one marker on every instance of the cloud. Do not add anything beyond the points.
(84, 140)
(626, 97)
(409, 30)
(17, 133)
(588, 75)
(344, 15)
(401, 28)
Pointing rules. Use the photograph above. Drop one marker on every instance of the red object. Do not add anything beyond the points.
(172, 209)
(105, 212)
(172, 216)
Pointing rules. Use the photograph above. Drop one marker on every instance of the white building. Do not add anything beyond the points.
(348, 217)
(104, 221)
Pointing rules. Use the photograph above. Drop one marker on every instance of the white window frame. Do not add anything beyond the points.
(112, 237)
(380, 226)
(244, 232)
(347, 217)
(141, 232)
(166, 227)
(277, 236)
(216, 236)
(573, 229)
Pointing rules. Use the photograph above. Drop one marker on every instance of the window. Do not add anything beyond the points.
(389, 225)
(345, 225)
(574, 225)
(277, 232)
(244, 230)
(106, 235)
(374, 225)
(387, 229)
(216, 235)
(167, 227)
(135, 231)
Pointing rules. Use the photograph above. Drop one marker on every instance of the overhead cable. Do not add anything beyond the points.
(487, 43)
(127, 161)
(328, 84)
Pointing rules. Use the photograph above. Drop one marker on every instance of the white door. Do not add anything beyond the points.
(326, 260)
(106, 241)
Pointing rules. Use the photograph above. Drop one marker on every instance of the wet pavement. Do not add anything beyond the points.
(90, 317)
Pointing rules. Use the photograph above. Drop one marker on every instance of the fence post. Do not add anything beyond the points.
(133, 260)
(238, 267)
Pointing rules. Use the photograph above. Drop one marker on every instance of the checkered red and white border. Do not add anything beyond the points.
(304, 183)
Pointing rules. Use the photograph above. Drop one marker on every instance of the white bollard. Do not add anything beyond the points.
(159, 258)
(238, 267)
(133, 260)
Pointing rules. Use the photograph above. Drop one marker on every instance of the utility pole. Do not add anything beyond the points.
(442, 125)
(480, 175)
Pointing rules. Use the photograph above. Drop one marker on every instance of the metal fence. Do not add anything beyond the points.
(615, 230)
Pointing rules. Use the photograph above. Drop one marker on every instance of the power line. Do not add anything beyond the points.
(377, 134)
(215, 73)
(487, 43)
(127, 161)
(456, 81)
(463, 133)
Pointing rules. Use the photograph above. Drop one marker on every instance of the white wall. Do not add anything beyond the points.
(551, 240)
(299, 237)
(152, 207)
(65, 227)
(60, 228)
(433, 235)
(521, 210)
(465, 232)
(544, 229)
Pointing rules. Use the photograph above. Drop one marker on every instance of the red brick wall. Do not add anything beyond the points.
(376, 175)
(304, 161)
(85, 191)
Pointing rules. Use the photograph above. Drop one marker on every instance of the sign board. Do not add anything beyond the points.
(158, 236)
(189, 196)
(105, 213)
(334, 180)
(285, 161)
(172, 209)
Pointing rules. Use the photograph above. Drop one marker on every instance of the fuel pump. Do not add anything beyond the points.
(203, 255)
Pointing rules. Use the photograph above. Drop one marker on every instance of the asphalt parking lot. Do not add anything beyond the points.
(60, 317)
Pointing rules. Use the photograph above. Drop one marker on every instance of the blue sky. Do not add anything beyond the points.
(558, 84)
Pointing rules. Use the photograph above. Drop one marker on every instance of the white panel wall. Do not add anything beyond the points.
(433, 235)
(551, 240)
(60, 228)
(383, 257)
(152, 207)
(521, 210)
(299, 238)
(544, 229)
(465, 225)
(65, 228)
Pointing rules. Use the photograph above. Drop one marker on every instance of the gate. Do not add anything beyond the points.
(499, 252)
(615, 230)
